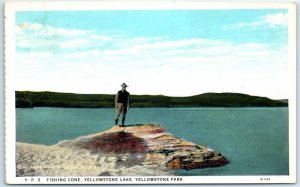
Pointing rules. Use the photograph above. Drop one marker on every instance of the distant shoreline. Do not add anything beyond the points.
(29, 99)
(176, 107)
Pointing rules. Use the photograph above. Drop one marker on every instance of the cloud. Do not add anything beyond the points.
(93, 62)
(270, 20)
(47, 30)
(279, 19)
(35, 36)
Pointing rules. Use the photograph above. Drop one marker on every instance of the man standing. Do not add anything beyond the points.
(122, 103)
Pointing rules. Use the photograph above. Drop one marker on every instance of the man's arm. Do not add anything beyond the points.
(128, 100)
(116, 99)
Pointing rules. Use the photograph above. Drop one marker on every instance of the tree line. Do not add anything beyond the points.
(29, 99)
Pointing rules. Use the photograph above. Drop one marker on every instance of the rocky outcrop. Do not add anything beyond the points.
(131, 150)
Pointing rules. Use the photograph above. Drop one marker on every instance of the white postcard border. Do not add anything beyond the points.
(10, 121)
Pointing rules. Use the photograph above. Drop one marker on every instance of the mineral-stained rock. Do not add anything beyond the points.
(131, 150)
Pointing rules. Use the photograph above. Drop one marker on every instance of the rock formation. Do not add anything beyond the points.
(132, 150)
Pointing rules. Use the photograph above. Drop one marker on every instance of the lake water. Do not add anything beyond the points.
(255, 140)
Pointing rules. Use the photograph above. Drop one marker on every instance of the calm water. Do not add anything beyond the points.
(255, 140)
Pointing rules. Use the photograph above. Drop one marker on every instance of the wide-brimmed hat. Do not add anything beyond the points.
(124, 85)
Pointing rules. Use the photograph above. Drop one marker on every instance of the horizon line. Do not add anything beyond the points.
(153, 94)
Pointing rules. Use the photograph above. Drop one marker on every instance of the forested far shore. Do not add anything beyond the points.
(29, 99)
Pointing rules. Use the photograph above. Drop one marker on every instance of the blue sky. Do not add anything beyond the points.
(169, 23)
(170, 52)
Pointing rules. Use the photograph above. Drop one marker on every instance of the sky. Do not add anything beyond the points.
(168, 52)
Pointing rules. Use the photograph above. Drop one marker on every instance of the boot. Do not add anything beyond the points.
(116, 122)
(123, 121)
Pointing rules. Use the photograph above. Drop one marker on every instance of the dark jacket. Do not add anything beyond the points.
(122, 97)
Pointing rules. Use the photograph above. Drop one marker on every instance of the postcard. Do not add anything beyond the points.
(136, 92)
